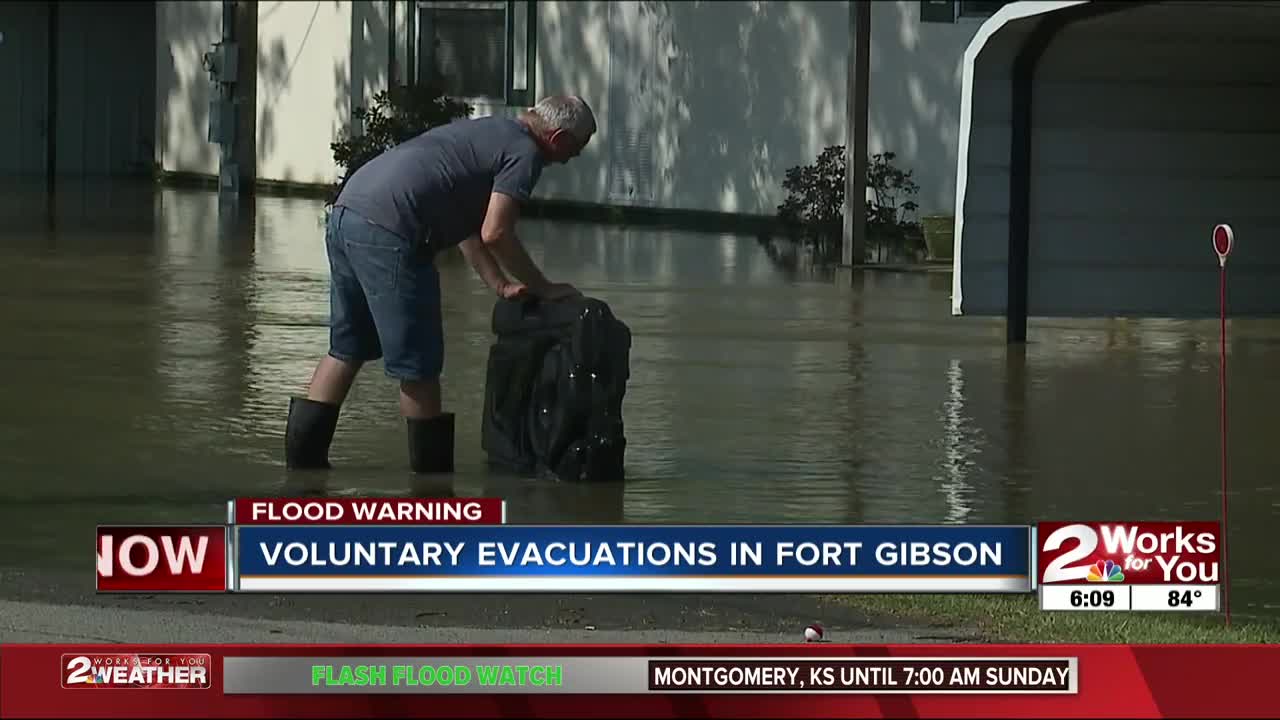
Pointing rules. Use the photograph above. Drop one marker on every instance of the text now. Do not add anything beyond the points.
(162, 559)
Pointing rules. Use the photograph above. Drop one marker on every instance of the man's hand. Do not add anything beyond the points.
(508, 290)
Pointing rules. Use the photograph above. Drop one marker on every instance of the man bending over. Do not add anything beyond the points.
(458, 184)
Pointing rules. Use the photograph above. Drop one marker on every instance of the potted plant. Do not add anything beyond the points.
(939, 236)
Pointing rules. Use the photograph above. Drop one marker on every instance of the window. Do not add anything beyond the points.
(948, 11)
(477, 50)
(979, 8)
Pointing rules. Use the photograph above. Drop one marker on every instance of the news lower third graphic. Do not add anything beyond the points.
(340, 546)
(637, 675)
(1139, 566)
(282, 545)
(365, 511)
(163, 559)
(640, 558)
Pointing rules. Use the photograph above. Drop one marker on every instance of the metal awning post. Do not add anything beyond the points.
(853, 250)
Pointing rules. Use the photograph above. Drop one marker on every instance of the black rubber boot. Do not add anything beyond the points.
(431, 444)
(309, 433)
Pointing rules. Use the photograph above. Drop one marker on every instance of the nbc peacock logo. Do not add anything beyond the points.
(1105, 571)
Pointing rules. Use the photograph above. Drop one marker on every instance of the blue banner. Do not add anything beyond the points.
(817, 558)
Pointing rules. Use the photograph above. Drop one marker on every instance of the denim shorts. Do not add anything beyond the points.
(384, 299)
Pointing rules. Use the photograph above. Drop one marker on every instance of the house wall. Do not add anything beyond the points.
(914, 96)
(705, 105)
(185, 30)
(308, 81)
(317, 61)
(701, 105)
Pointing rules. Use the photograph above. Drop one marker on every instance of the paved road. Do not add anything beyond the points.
(44, 607)
(41, 623)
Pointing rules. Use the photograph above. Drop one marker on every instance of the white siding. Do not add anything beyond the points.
(702, 105)
(1149, 128)
(640, 50)
(914, 96)
(719, 99)
(573, 57)
(185, 29)
(308, 82)
(317, 61)
(734, 93)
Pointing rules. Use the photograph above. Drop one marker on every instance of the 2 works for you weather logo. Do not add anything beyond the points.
(136, 671)
(1132, 553)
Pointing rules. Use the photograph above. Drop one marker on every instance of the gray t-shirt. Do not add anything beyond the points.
(435, 188)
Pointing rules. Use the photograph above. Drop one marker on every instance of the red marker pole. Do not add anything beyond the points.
(1223, 240)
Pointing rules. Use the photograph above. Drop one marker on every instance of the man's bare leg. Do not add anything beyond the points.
(313, 419)
(419, 399)
(332, 380)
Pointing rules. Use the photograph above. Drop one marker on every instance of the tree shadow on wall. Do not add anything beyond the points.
(720, 98)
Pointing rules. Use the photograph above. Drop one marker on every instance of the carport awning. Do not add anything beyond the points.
(986, 111)
(1100, 142)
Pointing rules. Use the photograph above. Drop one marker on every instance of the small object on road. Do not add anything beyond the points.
(814, 633)
(591, 627)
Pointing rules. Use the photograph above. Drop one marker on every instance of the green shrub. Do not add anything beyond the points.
(397, 115)
(813, 211)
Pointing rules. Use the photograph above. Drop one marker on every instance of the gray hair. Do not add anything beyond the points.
(566, 112)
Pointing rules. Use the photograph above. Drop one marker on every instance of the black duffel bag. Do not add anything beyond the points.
(554, 387)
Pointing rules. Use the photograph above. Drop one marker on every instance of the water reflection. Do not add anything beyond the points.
(958, 447)
(157, 340)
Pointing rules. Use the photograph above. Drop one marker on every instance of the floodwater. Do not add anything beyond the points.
(150, 349)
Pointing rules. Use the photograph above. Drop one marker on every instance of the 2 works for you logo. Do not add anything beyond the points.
(136, 671)
(1133, 553)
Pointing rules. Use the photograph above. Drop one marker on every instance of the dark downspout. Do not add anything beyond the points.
(531, 53)
(857, 94)
(246, 97)
(508, 91)
(51, 133)
(411, 41)
(392, 68)
(1024, 71)
(228, 175)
